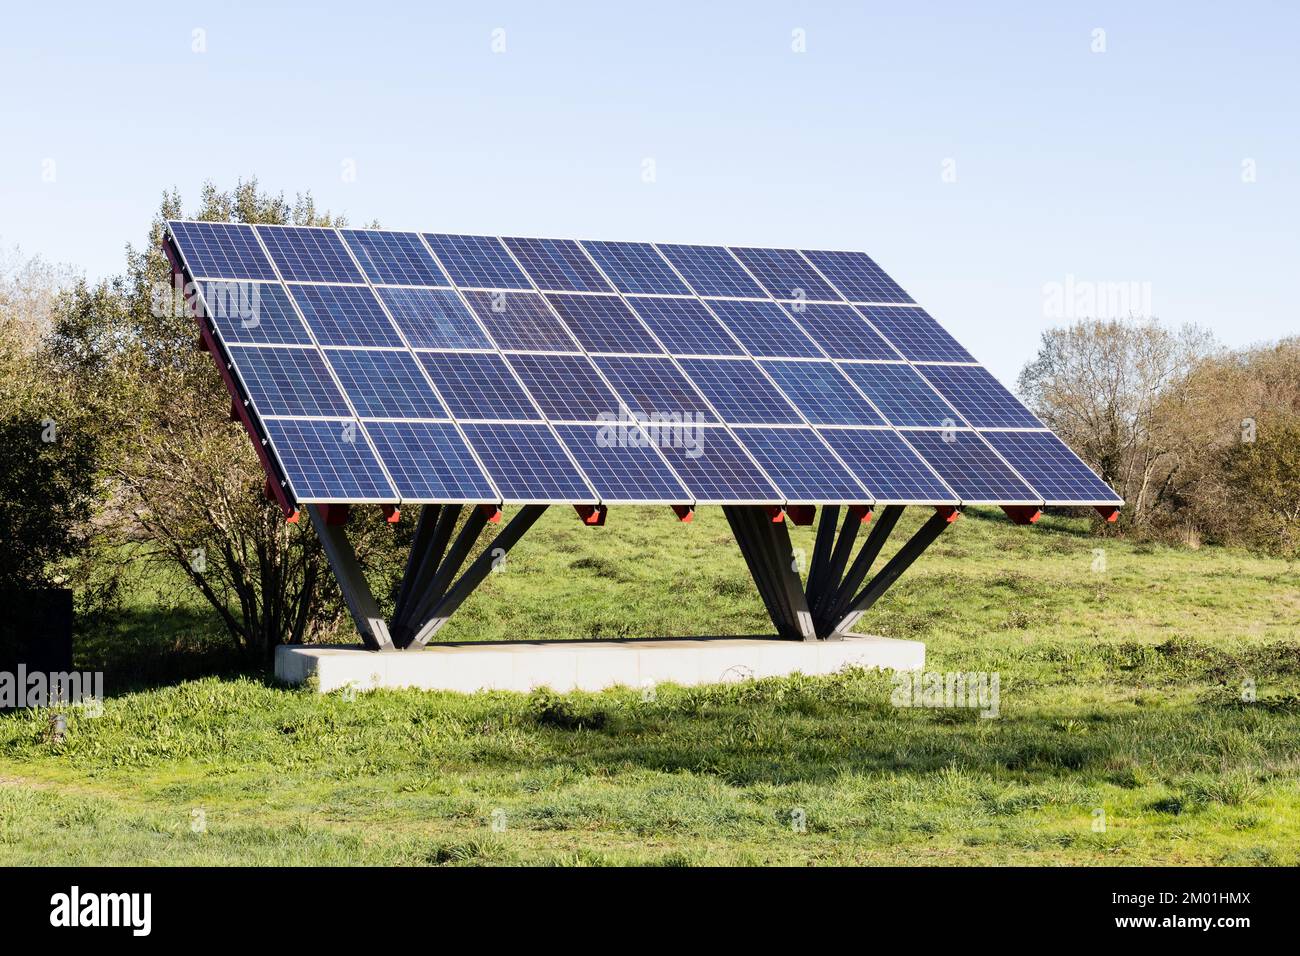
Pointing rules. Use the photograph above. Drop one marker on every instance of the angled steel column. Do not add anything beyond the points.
(895, 566)
(427, 551)
(799, 620)
(765, 545)
(742, 526)
(474, 575)
(839, 561)
(422, 602)
(821, 557)
(834, 608)
(356, 590)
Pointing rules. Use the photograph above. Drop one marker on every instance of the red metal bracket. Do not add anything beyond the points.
(336, 514)
(861, 512)
(685, 513)
(492, 511)
(591, 514)
(950, 512)
(1023, 514)
(1108, 512)
(801, 514)
(392, 514)
(776, 513)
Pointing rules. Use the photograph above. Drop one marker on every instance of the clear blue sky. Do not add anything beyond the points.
(1120, 166)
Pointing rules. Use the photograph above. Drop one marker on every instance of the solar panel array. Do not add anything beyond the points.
(412, 367)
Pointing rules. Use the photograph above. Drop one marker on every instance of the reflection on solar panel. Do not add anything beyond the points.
(430, 462)
(622, 464)
(764, 328)
(394, 258)
(1047, 463)
(801, 465)
(685, 326)
(354, 347)
(636, 267)
(902, 396)
(979, 396)
(602, 323)
(384, 384)
(971, 468)
(821, 394)
(740, 392)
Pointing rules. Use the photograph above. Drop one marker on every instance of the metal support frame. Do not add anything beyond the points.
(356, 590)
(765, 544)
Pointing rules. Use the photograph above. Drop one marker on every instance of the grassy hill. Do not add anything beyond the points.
(1121, 700)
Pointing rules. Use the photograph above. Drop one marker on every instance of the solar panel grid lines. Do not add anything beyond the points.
(521, 320)
(655, 389)
(740, 392)
(711, 271)
(1051, 467)
(764, 328)
(902, 396)
(842, 332)
(719, 470)
(307, 254)
(431, 463)
(978, 395)
(329, 461)
(394, 258)
(622, 464)
(529, 464)
(567, 388)
(686, 324)
(971, 467)
(477, 262)
(635, 267)
(288, 381)
(604, 323)
(385, 383)
(434, 318)
(785, 274)
(557, 265)
(803, 466)
(252, 313)
(855, 275)
(915, 333)
(220, 250)
(344, 315)
(821, 393)
(889, 466)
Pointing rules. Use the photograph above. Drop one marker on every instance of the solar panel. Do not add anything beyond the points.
(479, 262)
(434, 319)
(764, 328)
(712, 270)
(394, 258)
(345, 315)
(384, 384)
(740, 392)
(602, 323)
(558, 265)
(636, 267)
(888, 466)
(528, 464)
(685, 326)
(786, 274)
(717, 470)
(520, 320)
(219, 250)
(430, 462)
(979, 396)
(821, 394)
(622, 464)
(566, 387)
(253, 312)
(288, 381)
(1051, 467)
(328, 460)
(426, 367)
(802, 466)
(971, 468)
(478, 385)
(303, 254)
(903, 397)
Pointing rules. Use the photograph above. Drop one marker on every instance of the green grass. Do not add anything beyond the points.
(1120, 693)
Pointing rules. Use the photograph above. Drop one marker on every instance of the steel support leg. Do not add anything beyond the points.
(822, 548)
(423, 602)
(894, 567)
(427, 550)
(356, 590)
(857, 573)
(766, 548)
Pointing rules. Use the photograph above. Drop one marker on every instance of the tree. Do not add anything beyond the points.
(188, 487)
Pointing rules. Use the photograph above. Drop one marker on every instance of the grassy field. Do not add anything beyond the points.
(1121, 684)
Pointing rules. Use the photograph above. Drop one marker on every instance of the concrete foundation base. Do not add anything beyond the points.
(586, 665)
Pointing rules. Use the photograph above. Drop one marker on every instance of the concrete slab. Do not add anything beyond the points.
(586, 665)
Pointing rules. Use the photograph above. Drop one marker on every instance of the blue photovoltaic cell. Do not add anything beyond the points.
(328, 461)
(394, 258)
(602, 323)
(566, 387)
(1052, 468)
(219, 250)
(711, 270)
(902, 396)
(345, 315)
(384, 384)
(654, 390)
(801, 465)
(716, 469)
(480, 262)
(822, 394)
(288, 381)
(884, 463)
(914, 333)
(970, 467)
(786, 275)
(621, 464)
(303, 254)
(520, 320)
(636, 267)
(740, 392)
(857, 276)
(430, 462)
(258, 313)
(979, 396)
(527, 463)
(842, 332)
(764, 328)
(478, 385)
(434, 319)
(557, 265)
(685, 326)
